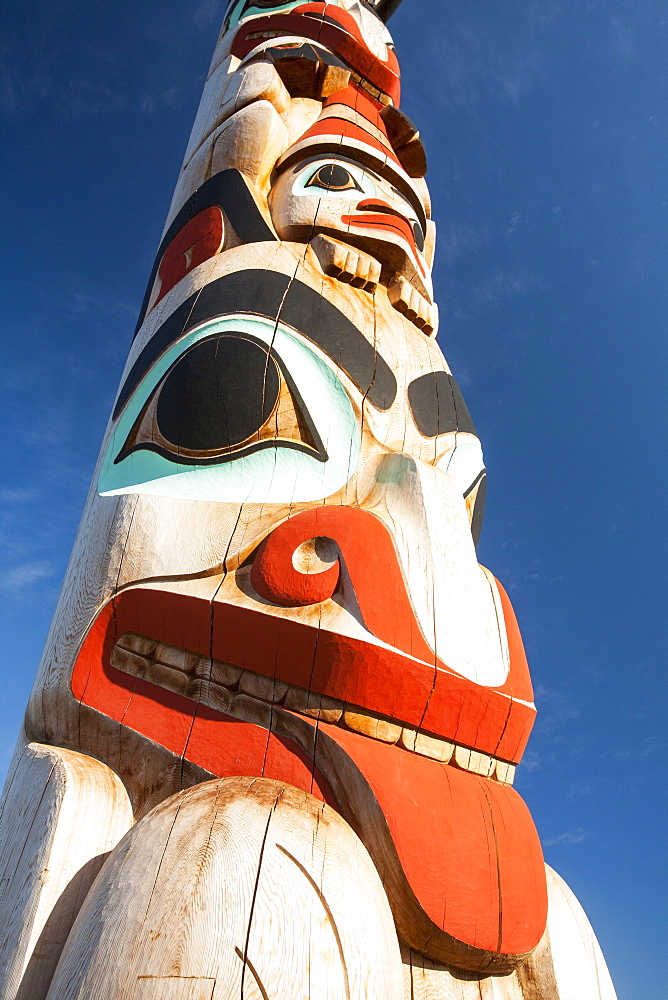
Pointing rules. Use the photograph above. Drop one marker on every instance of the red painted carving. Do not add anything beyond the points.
(200, 239)
(339, 33)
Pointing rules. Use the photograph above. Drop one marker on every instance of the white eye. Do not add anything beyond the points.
(333, 177)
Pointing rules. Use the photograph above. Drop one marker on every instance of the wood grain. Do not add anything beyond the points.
(62, 813)
(247, 883)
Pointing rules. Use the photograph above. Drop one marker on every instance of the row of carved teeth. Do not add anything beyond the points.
(218, 684)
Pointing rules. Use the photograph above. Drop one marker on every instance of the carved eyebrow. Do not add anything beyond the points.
(277, 297)
(438, 406)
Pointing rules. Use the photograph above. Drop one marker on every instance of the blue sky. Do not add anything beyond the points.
(545, 126)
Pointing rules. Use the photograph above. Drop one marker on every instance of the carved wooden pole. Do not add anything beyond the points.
(279, 688)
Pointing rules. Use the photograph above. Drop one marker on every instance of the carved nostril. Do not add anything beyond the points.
(315, 555)
(296, 575)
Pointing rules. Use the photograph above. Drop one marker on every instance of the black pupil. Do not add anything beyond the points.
(333, 176)
(218, 394)
(419, 236)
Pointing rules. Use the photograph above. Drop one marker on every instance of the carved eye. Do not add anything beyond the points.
(224, 396)
(333, 177)
(238, 9)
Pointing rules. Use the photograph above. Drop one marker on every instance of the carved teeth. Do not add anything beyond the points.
(427, 746)
(263, 688)
(407, 300)
(252, 696)
(138, 643)
(179, 659)
(505, 773)
(263, 35)
(348, 265)
(473, 760)
(317, 706)
(372, 725)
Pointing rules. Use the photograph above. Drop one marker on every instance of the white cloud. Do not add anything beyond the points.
(568, 838)
(26, 574)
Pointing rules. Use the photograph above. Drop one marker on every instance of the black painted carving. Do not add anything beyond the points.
(229, 191)
(216, 397)
(217, 394)
(386, 8)
(479, 506)
(275, 296)
(438, 406)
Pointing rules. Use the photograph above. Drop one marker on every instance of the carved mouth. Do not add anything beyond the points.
(226, 688)
(181, 669)
(338, 33)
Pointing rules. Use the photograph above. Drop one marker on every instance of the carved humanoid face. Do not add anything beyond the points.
(301, 597)
(340, 197)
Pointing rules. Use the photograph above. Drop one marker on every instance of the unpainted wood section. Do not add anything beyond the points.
(425, 979)
(62, 813)
(227, 92)
(173, 988)
(236, 880)
(574, 957)
(212, 886)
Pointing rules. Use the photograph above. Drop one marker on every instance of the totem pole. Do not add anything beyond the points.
(270, 749)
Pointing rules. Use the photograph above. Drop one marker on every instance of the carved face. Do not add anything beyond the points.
(337, 196)
(348, 29)
(300, 596)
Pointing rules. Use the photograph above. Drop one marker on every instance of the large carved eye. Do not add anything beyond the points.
(240, 409)
(238, 9)
(225, 395)
(333, 177)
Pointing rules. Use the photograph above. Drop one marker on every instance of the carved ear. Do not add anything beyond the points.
(386, 8)
(405, 140)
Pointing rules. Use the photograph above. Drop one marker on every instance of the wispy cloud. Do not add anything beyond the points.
(206, 12)
(476, 59)
(456, 241)
(578, 789)
(651, 744)
(568, 838)
(624, 38)
(513, 223)
(531, 761)
(20, 577)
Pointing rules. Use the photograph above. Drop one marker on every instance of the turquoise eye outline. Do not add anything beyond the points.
(242, 9)
(278, 474)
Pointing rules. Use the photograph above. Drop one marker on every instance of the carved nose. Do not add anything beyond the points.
(300, 563)
(382, 208)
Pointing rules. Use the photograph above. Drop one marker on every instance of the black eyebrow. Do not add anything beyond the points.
(275, 296)
(438, 406)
